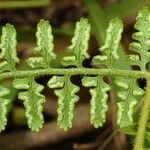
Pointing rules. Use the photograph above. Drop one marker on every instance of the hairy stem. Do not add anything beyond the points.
(139, 141)
(73, 71)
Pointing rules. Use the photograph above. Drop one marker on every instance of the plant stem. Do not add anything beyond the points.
(23, 4)
(139, 141)
(74, 71)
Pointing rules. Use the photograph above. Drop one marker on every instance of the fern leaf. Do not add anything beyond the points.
(3, 107)
(110, 48)
(8, 48)
(79, 45)
(66, 99)
(44, 46)
(128, 95)
(98, 103)
(142, 40)
(33, 101)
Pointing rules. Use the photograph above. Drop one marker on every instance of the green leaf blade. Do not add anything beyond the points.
(3, 107)
(128, 95)
(66, 100)
(33, 101)
(79, 44)
(98, 103)
(110, 48)
(142, 39)
(8, 47)
(44, 47)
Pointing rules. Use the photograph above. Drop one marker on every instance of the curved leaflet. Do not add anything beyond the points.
(79, 44)
(98, 103)
(128, 94)
(44, 47)
(66, 99)
(141, 45)
(8, 48)
(3, 107)
(110, 48)
(33, 101)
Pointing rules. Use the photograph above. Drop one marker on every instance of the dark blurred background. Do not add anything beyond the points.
(62, 15)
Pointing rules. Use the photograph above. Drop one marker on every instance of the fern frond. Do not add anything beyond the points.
(3, 107)
(44, 47)
(66, 99)
(98, 103)
(110, 48)
(79, 44)
(128, 91)
(141, 45)
(33, 101)
(8, 48)
(129, 95)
